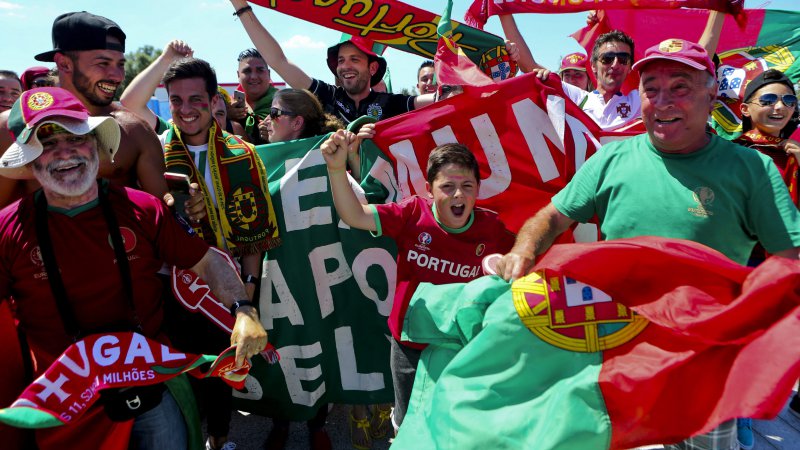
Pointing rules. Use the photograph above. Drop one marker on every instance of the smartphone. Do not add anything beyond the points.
(238, 97)
(178, 185)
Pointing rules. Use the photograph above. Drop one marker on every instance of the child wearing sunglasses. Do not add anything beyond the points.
(769, 117)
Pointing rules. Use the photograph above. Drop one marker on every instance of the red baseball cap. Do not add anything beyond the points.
(682, 51)
(573, 61)
(36, 107)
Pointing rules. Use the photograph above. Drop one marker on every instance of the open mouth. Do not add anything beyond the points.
(69, 167)
(107, 88)
(667, 121)
(188, 119)
(457, 210)
(348, 76)
(776, 116)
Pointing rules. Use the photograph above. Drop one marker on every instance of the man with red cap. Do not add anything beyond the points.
(357, 67)
(675, 181)
(89, 52)
(63, 259)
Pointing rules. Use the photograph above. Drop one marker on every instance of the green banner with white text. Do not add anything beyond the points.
(325, 293)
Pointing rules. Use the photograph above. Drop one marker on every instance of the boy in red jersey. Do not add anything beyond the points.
(441, 238)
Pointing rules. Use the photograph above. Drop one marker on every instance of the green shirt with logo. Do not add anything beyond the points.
(724, 196)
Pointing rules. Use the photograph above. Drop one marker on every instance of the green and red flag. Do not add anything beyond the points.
(479, 12)
(390, 22)
(593, 351)
(770, 40)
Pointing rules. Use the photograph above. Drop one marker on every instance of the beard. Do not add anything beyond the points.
(86, 88)
(73, 184)
(357, 85)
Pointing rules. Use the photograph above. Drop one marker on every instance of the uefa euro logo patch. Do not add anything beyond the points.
(573, 315)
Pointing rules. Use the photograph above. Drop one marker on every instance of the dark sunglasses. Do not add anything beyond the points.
(274, 113)
(41, 82)
(608, 57)
(770, 99)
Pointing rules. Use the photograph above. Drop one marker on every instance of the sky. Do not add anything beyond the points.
(209, 27)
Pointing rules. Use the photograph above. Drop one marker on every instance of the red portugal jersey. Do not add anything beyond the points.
(83, 251)
(427, 253)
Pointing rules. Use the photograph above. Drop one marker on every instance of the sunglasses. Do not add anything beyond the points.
(274, 113)
(41, 82)
(770, 99)
(608, 57)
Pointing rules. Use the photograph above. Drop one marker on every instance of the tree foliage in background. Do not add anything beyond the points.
(136, 62)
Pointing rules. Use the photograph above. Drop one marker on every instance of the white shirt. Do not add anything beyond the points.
(619, 111)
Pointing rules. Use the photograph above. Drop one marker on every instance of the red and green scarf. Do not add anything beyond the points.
(770, 146)
(244, 220)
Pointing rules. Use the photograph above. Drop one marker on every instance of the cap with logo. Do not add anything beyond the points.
(77, 31)
(573, 61)
(39, 106)
(365, 46)
(678, 50)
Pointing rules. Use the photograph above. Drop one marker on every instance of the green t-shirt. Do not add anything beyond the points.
(724, 196)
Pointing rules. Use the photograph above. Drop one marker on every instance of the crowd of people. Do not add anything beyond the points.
(77, 162)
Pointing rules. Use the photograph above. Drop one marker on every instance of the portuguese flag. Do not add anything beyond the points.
(769, 40)
(595, 350)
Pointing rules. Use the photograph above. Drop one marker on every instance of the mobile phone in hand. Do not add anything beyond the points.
(238, 97)
(178, 185)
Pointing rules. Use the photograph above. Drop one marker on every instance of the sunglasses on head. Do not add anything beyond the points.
(274, 113)
(770, 99)
(608, 57)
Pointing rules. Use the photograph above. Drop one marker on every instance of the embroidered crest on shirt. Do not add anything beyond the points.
(480, 249)
(374, 110)
(704, 197)
(624, 110)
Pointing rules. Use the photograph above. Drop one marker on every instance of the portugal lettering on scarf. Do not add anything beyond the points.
(243, 221)
(479, 12)
(104, 361)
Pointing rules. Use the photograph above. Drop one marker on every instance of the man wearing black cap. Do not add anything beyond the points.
(353, 62)
(89, 53)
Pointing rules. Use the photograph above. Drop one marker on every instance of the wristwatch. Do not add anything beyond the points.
(238, 304)
(250, 278)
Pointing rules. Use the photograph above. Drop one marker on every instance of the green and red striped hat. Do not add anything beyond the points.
(37, 107)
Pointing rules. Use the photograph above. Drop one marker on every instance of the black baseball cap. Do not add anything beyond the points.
(770, 76)
(76, 31)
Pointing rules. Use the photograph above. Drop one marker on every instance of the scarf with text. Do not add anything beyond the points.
(71, 385)
(770, 146)
(244, 221)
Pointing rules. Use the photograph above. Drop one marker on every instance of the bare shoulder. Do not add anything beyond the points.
(127, 119)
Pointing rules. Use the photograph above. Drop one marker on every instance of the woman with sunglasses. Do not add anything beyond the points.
(769, 117)
(297, 114)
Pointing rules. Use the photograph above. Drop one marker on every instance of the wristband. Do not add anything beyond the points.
(238, 304)
(250, 279)
(241, 11)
